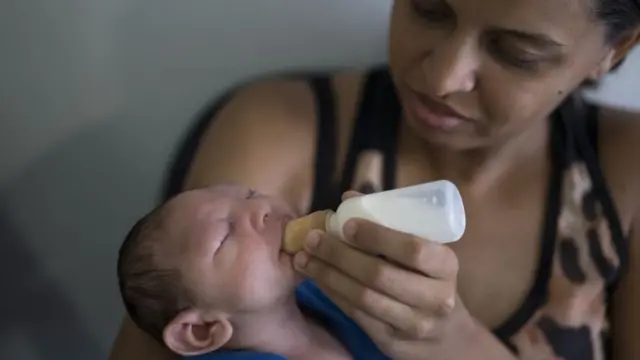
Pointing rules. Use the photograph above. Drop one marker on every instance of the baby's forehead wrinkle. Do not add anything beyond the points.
(228, 184)
(229, 188)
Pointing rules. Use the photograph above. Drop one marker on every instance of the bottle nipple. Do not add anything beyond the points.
(296, 230)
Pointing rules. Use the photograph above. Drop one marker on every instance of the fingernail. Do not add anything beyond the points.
(312, 240)
(300, 260)
(350, 229)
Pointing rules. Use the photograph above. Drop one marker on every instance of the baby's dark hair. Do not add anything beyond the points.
(153, 293)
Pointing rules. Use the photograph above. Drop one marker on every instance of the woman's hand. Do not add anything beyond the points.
(399, 288)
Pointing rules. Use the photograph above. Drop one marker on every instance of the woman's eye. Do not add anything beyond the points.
(525, 64)
(431, 13)
(518, 58)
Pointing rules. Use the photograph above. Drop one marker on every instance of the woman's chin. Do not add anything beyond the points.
(459, 141)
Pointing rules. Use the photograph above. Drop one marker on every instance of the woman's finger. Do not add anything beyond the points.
(430, 258)
(413, 289)
(379, 332)
(358, 301)
(386, 337)
(376, 328)
(351, 193)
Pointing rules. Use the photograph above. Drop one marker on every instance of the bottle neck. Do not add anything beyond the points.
(332, 225)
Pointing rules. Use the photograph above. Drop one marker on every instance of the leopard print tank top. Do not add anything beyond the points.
(565, 316)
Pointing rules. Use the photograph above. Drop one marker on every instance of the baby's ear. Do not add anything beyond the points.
(195, 332)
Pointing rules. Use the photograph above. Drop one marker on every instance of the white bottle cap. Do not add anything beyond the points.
(455, 206)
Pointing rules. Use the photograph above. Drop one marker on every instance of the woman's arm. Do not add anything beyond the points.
(620, 146)
(626, 305)
(264, 138)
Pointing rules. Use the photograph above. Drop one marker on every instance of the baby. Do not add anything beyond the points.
(204, 274)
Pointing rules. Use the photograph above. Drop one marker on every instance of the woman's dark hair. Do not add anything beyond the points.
(619, 16)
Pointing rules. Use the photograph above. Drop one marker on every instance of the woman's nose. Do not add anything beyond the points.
(452, 66)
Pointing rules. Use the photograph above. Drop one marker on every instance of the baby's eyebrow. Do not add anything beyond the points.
(217, 211)
(251, 193)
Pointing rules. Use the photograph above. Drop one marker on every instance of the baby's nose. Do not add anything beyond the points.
(260, 216)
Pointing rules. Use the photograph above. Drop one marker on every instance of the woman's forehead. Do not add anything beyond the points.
(565, 20)
(558, 9)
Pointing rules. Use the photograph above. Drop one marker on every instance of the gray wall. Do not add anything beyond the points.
(94, 96)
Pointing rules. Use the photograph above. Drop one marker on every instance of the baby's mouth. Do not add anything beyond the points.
(283, 232)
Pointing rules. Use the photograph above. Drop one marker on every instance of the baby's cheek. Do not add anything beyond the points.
(258, 287)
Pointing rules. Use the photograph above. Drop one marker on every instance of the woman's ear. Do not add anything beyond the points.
(624, 46)
(616, 54)
(195, 332)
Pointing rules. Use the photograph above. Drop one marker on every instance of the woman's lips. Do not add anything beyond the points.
(433, 113)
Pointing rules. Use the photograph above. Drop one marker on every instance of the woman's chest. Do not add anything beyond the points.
(499, 254)
(500, 258)
(540, 252)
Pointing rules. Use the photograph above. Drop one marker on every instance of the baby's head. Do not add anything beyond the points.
(188, 267)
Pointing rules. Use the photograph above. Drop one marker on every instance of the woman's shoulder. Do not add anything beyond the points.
(619, 153)
(290, 100)
(261, 137)
(265, 136)
(284, 105)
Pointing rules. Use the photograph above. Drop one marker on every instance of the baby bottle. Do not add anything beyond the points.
(433, 211)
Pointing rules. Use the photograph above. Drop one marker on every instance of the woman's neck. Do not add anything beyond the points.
(479, 169)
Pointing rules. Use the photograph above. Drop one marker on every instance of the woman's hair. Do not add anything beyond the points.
(619, 16)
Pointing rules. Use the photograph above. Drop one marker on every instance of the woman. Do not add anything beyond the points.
(482, 93)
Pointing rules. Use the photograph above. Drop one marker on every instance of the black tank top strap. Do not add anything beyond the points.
(183, 156)
(390, 114)
(326, 148)
(324, 190)
(591, 126)
(375, 127)
(581, 118)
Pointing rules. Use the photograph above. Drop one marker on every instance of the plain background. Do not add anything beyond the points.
(95, 95)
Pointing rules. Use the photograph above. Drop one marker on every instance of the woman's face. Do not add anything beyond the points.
(470, 73)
